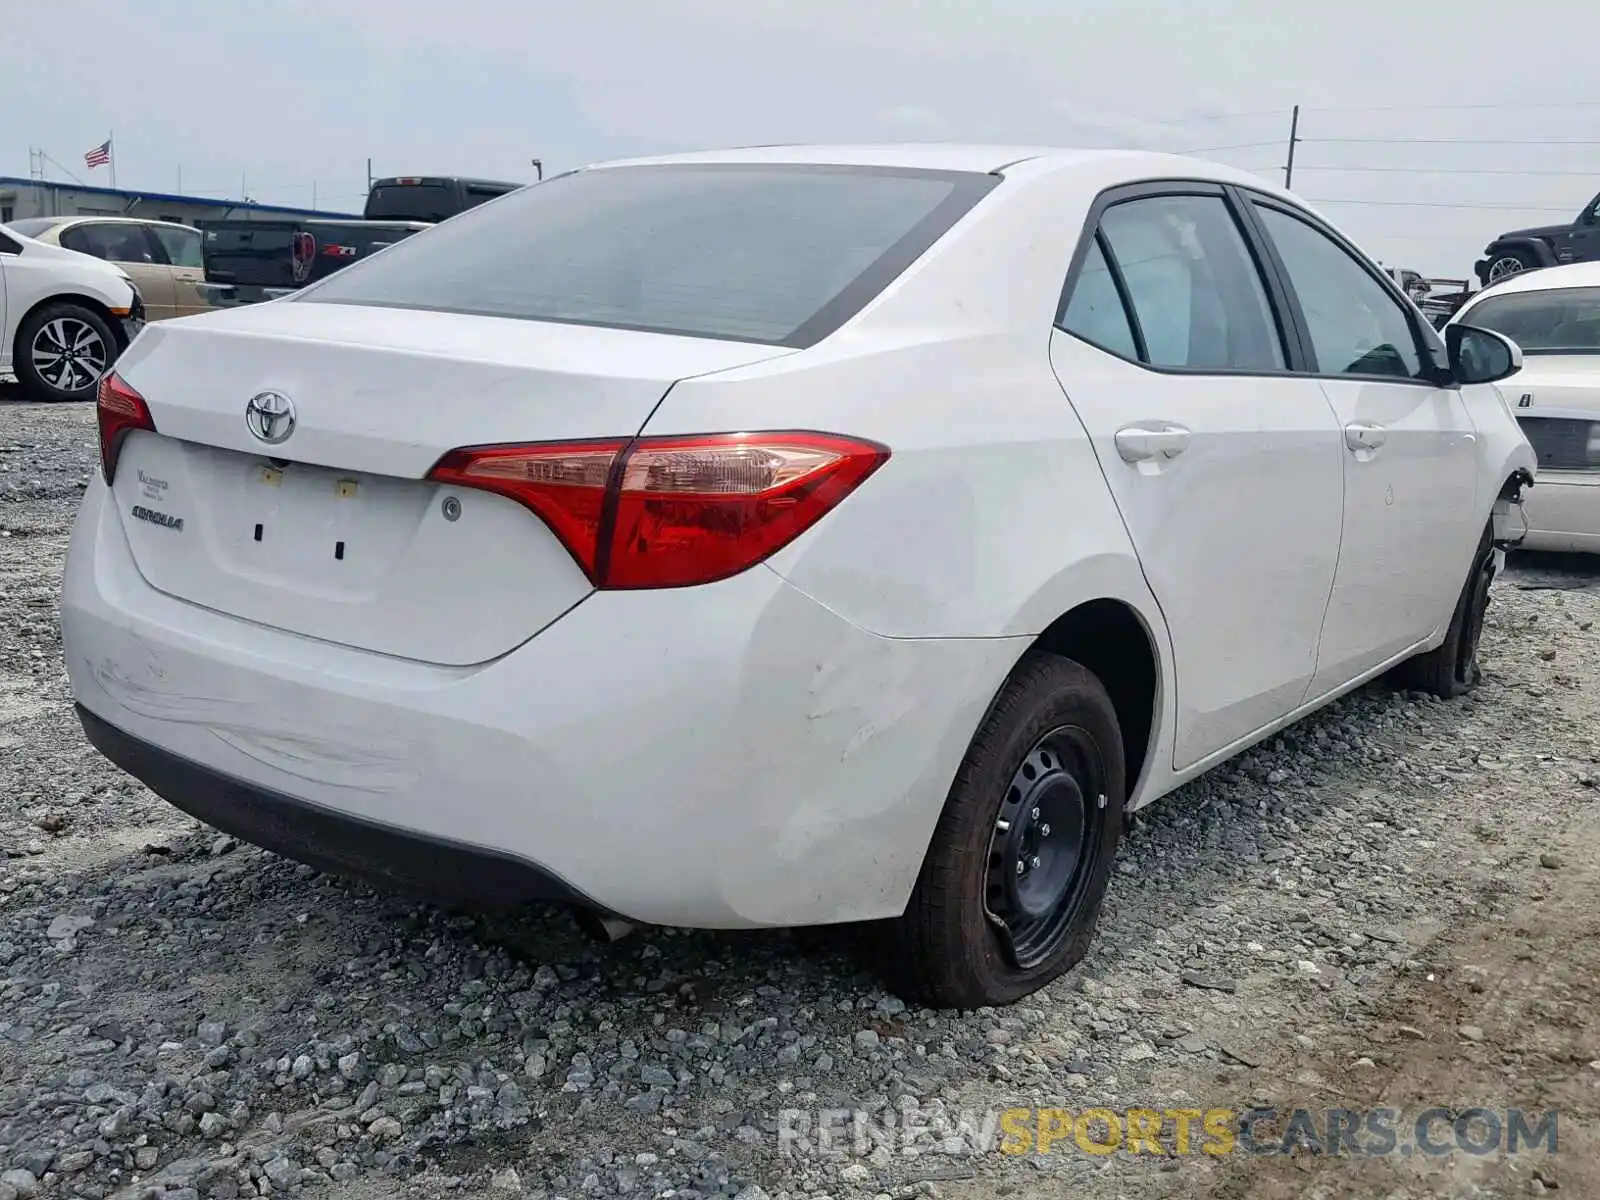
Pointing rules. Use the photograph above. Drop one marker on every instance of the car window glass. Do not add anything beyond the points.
(182, 246)
(1558, 321)
(1094, 310)
(1195, 290)
(1357, 327)
(774, 254)
(114, 243)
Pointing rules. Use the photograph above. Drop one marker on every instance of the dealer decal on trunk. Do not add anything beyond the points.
(158, 518)
(153, 488)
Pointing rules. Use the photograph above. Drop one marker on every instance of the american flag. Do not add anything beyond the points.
(100, 155)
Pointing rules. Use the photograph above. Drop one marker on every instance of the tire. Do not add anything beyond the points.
(972, 934)
(1507, 263)
(62, 351)
(1452, 670)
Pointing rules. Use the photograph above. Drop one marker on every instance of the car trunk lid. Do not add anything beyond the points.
(333, 532)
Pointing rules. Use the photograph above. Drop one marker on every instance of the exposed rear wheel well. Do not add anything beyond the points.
(1107, 638)
(1513, 485)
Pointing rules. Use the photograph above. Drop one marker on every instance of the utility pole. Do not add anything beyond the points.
(538, 166)
(1294, 139)
(369, 175)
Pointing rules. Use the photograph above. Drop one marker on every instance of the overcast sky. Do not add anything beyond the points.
(286, 97)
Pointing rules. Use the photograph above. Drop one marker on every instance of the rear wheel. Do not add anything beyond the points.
(63, 350)
(1452, 669)
(1013, 882)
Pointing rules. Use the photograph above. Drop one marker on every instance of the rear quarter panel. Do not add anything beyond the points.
(992, 517)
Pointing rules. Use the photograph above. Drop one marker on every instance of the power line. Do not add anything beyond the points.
(1442, 204)
(1382, 141)
(1492, 106)
(1443, 170)
(1456, 107)
(1237, 146)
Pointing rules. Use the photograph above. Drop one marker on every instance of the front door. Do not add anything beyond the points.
(1410, 456)
(1226, 467)
(1584, 240)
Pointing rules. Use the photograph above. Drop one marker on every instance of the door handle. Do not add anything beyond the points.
(1360, 436)
(1141, 443)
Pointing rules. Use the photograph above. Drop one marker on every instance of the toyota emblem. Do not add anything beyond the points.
(270, 416)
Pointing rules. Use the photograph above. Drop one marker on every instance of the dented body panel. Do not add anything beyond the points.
(655, 787)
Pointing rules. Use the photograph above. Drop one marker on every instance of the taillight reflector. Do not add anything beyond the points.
(672, 511)
(119, 410)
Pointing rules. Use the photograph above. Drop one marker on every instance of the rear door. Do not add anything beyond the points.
(1412, 515)
(185, 256)
(1225, 465)
(127, 244)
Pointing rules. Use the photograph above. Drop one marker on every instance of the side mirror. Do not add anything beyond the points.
(1480, 355)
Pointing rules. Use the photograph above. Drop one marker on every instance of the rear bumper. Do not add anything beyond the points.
(728, 756)
(325, 838)
(1563, 510)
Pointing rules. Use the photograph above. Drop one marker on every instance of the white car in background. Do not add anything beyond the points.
(64, 317)
(164, 259)
(787, 536)
(1554, 315)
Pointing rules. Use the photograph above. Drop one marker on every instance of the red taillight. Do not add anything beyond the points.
(119, 410)
(303, 249)
(672, 511)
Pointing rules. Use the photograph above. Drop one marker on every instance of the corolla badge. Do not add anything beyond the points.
(270, 416)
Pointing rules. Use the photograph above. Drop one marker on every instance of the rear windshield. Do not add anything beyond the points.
(412, 202)
(780, 255)
(1559, 321)
(31, 226)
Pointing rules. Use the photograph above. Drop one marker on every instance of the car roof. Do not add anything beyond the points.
(82, 218)
(941, 156)
(1545, 279)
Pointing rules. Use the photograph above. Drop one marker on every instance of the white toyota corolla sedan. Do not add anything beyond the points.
(1554, 316)
(788, 536)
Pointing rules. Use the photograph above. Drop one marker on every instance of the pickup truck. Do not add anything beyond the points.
(1546, 246)
(250, 261)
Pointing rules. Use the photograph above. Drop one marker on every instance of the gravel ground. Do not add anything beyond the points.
(1392, 902)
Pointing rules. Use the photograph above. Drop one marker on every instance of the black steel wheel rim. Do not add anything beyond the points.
(1045, 845)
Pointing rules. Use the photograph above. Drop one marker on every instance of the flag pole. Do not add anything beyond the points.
(111, 151)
